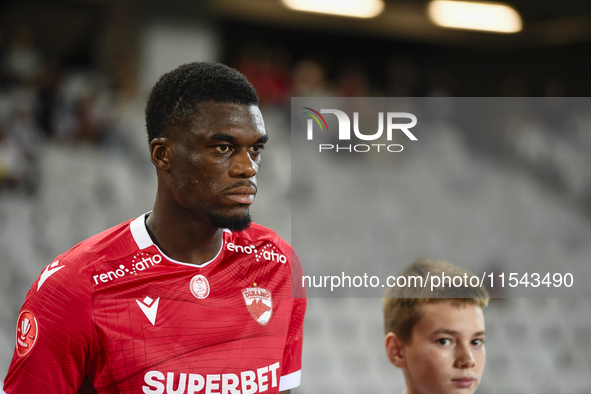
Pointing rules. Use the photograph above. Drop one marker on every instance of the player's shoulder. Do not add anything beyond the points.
(108, 245)
(65, 282)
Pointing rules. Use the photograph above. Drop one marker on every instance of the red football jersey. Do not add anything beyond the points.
(115, 315)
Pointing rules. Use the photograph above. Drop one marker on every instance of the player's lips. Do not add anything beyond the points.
(241, 194)
(464, 382)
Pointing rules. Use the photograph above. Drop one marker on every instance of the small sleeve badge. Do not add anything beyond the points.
(26, 333)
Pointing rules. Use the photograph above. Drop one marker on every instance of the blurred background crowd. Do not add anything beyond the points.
(69, 70)
(77, 71)
(74, 76)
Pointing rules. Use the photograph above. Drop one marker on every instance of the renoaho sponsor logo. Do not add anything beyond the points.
(139, 262)
(267, 252)
(344, 130)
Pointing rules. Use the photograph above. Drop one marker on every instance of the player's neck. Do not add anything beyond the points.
(182, 237)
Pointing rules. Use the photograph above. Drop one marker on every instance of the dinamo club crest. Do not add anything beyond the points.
(259, 303)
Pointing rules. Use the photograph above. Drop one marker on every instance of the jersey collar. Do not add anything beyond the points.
(143, 240)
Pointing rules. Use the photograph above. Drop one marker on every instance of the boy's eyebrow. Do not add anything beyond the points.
(456, 333)
(445, 331)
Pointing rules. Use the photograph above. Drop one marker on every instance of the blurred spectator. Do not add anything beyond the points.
(12, 161)
(309, 79)
(267, 69)
(352, 81)
(47, 89)
(23, 59)
(77, 114)
(19, 148)
(24, 131)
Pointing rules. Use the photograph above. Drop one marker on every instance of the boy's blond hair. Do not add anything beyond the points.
(402, 305)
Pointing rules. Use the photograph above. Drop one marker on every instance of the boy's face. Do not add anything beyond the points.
(446, 352)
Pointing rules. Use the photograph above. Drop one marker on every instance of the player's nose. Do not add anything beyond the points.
(243, 166)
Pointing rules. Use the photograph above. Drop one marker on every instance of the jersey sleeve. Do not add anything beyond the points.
(292, 355)
(53, 339)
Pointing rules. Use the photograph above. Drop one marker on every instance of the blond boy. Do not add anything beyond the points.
(436, 336)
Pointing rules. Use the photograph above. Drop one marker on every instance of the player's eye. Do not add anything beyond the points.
(444, 341)
(478, 342)
(257, 148)
(223, 148)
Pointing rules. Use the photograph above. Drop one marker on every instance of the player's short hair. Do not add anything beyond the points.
(174, 99)
(402, 305)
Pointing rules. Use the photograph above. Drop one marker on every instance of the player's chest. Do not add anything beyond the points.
(229, 303)
(164, 329)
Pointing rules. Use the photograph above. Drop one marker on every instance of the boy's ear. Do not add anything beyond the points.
(395, 350)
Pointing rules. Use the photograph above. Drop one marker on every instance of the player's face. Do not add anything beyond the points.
(214, 165)
(446, 353)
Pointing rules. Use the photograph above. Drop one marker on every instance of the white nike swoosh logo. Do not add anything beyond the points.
(48, 272)
(150, 311)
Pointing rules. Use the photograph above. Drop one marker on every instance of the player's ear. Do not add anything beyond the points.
(160, 153)
(395, 350)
